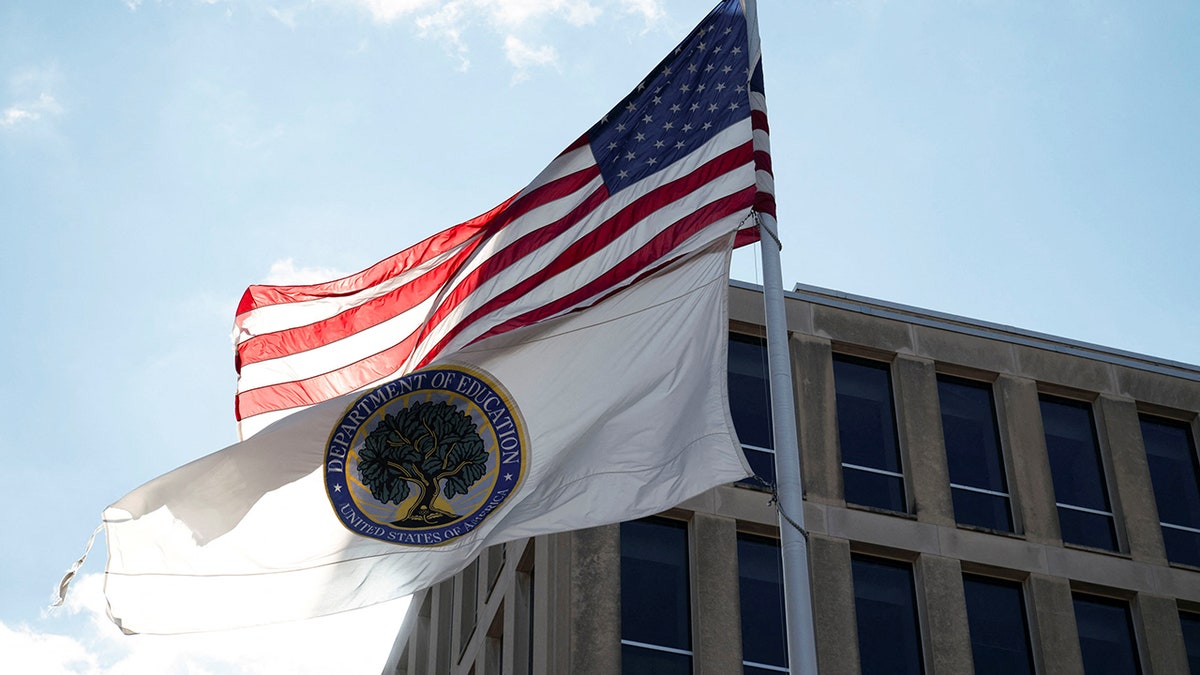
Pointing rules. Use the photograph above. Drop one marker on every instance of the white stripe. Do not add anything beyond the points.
(365, 343)
(587, 270)
(273, 318)
(334, 355)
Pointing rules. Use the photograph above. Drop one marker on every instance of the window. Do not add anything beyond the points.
(1191, 639)
(656, 633)
(1105, 635)
(750, 403)
(976, 464)
(867, 434)
(999, 630)
(1084, 515)
(760, 582)
(889, 637)
(1171, 453)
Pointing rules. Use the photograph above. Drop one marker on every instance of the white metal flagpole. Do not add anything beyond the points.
(797, 591)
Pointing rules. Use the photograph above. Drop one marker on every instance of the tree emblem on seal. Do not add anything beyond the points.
(426, 446)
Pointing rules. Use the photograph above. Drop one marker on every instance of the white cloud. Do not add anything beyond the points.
(386, 11)
(523, 57)
(30, 111)
(352, 642)
(285, 273)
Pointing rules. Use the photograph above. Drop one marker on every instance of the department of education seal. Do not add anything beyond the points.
(425, 458)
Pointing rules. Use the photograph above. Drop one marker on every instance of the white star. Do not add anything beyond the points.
(679, 145)
(647, 119)
(695, 107)
(668, 126)
(656, 100)
(631, 107)
(630, 155)
(707, 126)
(692, 68)
(684, 88)
(702, 46)
(709, 68)
(740, 88)
(717, 49)
(337, 487)
(675, 107)
(667, 71)
(699, 88)
(652, 161)
(659, 143)
(686, 128)
(622, 174)
(727, 70)
(720, 86)
(620, 127)
(713, 107)
(508, 476)
(728, 31)
(737, 50)
(733, 105)
(640, 137)
(612, 146)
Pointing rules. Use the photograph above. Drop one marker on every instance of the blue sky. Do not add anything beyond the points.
(1030, 164)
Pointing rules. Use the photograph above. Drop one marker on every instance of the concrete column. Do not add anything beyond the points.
(944, 625)
(816, 402)
(552, 601)
(595, 605)
(716, 618)
(1024, 441)
(833, 602)
(1052, 615)
(1161, 634)
(1130, 487)
(919, 421)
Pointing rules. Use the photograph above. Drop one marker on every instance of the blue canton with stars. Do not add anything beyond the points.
(696, 92)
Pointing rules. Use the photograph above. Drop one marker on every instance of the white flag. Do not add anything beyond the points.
(611, 413)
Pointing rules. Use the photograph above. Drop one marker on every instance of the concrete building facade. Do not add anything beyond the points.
(978, 498)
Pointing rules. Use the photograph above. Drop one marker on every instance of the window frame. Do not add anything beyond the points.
(1026, 616)
(754, 538)
(887, 366)
(1001, 451)
(1130, 609)
(1190, 429)
(689, 580)
(761, 342)
(918, 609)
(1104, 462)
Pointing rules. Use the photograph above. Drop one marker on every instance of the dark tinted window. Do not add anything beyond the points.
(750, 402)
(973, 453)
(999, 631)
(1105, 635)
(760, 581)
(871, 468)
(655, 607)
(1084, 515)
(1171, 453)
(889, 637)
(1191, 639)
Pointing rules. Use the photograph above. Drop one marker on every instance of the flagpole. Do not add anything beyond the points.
(797, 591)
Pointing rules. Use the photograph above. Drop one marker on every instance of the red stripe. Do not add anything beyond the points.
(354, 320)
(758, 121)
(599, 237)
(372, 368)
(651, 254)
(301, 338)
(262, 295)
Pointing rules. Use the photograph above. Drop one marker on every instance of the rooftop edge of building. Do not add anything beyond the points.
(984, 329)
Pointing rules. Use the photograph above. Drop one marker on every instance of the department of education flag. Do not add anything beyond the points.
(554, 364)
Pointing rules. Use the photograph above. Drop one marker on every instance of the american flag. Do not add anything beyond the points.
(681, 161)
